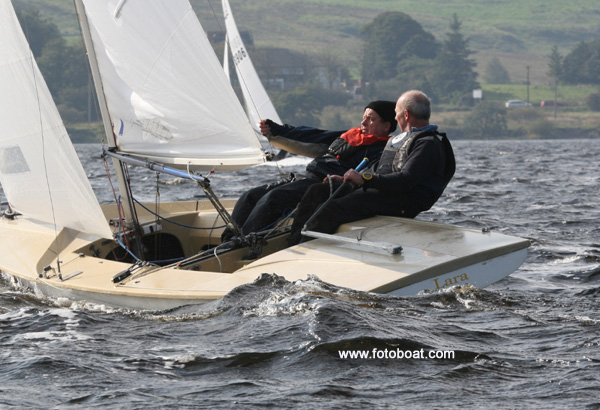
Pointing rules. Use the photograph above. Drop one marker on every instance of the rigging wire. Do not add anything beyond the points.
(156, 208)
(119, 210)
(41, 118)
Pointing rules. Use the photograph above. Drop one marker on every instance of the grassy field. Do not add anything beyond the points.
(573, 96)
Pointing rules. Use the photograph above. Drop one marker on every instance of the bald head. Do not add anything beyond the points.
(413, 109)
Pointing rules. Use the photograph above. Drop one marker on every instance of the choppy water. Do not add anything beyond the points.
(530, 341)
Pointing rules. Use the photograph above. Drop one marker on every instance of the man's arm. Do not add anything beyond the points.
(422, 162)
(306, 141)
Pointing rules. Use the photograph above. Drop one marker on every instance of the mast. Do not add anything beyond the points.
(119, 166)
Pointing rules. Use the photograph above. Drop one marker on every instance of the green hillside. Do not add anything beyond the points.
(519, 33)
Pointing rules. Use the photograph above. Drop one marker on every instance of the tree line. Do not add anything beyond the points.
(582, 64)
(398, 54)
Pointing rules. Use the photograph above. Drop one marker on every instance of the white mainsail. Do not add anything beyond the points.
(168, 98)
(39, 169)
(258, 103)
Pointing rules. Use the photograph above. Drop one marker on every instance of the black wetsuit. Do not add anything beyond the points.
(260, 207)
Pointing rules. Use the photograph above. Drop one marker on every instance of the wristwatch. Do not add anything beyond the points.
(367, 177)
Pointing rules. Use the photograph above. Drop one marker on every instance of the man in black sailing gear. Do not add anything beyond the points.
(335, 152)
(414, 169)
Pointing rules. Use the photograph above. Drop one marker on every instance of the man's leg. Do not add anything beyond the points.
(275, 203)
(246, 203)
(312, 200)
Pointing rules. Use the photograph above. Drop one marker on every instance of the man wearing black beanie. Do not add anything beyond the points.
(335, 152)
(385, 110)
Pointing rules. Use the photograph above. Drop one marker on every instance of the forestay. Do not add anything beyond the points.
(39, 169)
(166, 92)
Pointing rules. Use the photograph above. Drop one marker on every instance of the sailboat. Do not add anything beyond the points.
(258, 104)
(167, 105)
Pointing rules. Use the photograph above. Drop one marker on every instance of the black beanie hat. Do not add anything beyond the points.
(386, 110)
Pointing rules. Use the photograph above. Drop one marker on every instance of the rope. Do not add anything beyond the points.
(173, 222)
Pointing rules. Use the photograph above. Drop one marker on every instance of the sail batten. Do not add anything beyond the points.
(165, 89)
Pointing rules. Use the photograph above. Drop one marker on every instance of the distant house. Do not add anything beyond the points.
(282, 69)
(328, 79)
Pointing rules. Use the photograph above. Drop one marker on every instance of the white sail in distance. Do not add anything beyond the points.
(257, 101)
(40, 171)
(168, 97)
(226, 58)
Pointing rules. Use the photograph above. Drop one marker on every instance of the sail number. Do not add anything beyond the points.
(240, 55)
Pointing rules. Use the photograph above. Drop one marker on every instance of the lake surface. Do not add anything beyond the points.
(529, 341)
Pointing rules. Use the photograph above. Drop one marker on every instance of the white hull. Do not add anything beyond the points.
(433, 257)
